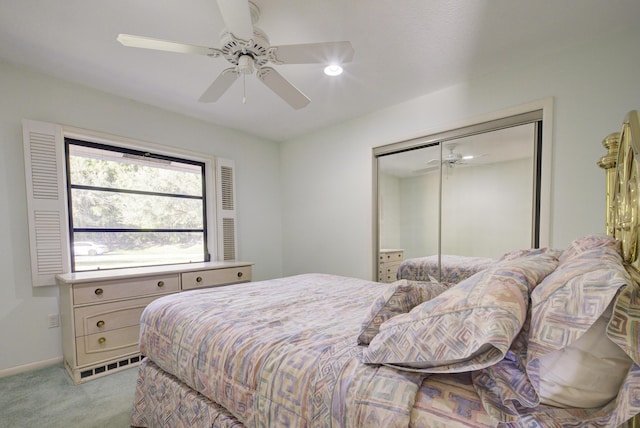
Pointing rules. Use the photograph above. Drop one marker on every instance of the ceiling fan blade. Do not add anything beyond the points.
(311, 53)
(236, 15)
(165, 45)
(424, 170)
(220, 85)
(282, 87)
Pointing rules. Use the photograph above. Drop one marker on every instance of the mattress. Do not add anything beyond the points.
(278, 353)
(446, 401)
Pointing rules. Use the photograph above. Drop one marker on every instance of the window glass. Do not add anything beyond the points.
(130, 208)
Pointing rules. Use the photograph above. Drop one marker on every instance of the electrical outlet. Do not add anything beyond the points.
(54, 321)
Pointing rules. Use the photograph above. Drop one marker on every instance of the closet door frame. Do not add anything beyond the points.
(538, 112)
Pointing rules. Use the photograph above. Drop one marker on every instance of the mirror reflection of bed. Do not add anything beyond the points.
(472, 197)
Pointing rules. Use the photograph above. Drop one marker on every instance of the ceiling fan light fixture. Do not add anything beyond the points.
(333, 70)
(245, 64)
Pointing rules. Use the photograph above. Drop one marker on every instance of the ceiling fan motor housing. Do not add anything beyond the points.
(233, 49)
(452, 157)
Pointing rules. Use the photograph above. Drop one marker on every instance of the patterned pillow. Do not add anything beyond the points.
(469, 326)
(589, 243)
(567, 305)
(399, 298)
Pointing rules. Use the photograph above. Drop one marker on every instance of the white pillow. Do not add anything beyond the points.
(587, 373)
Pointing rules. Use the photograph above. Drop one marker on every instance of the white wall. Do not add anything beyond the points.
(487, 209)
(420, 207)
(390, 211)
(24, 333)
(327, 176)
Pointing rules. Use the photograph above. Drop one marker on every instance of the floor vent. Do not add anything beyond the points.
(109, 367)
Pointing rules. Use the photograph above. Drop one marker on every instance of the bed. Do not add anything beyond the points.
(540, 338)
(447, 268)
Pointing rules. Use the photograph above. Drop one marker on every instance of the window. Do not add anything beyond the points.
(96, 201)
(133, 208)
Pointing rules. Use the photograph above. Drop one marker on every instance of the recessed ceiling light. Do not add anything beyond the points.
(333, 70)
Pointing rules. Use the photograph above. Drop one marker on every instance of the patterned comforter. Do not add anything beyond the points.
(280, 352)
(283, 353)
(453, 269)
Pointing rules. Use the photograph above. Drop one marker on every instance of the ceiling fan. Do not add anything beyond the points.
(247, 49)
(449, 160)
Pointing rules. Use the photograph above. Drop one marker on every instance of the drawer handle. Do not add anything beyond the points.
(100, 324)
(99, 291)
(199, 279)
(102, 340)
(160, 283)
(239, 274)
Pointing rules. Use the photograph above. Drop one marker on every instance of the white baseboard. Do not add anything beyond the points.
(29, 367)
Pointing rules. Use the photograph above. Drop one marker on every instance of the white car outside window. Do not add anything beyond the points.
(88, 249)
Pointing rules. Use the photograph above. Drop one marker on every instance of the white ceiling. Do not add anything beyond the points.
(500, 145)
(403, 49)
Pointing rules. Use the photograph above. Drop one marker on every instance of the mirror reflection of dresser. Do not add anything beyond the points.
(388, 262)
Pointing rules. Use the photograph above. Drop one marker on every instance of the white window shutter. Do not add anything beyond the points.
(226, 210)
(46, 201)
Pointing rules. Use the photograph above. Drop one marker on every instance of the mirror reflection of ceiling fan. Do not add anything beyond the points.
(449, 160)
(247, 49)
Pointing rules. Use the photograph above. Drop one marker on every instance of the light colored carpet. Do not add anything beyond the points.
(49, 398)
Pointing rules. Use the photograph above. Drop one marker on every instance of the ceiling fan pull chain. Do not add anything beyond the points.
(244, 88)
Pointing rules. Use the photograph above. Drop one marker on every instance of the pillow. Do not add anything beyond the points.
(399, 298)
(570, 310)
(589, 243)
(467, 327)
(586, 373)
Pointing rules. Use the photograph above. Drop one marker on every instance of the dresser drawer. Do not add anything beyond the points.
(387, 277)
(387, 272)
(391, 256)
(105, 345)
(389, 268)
(215, 277)
(109, 316)
(102, 291)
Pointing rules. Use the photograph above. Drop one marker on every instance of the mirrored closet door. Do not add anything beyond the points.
(471, 192)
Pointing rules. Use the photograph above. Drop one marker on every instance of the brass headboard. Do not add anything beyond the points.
(623, 185)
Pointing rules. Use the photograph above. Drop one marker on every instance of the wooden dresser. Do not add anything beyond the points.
(100, 310)
(388, 264)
